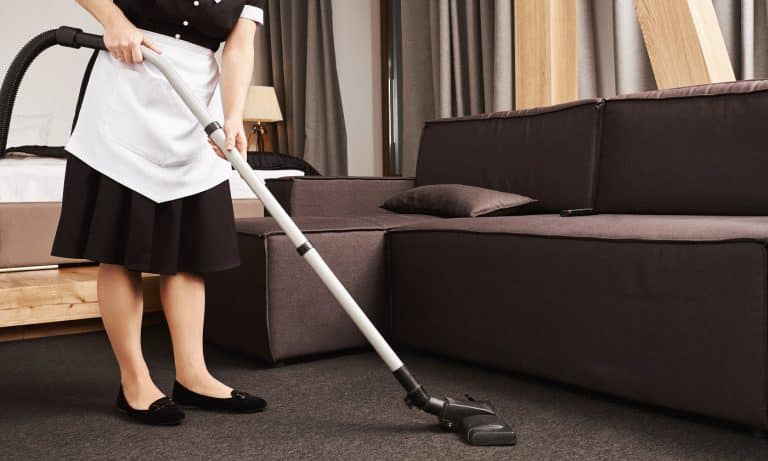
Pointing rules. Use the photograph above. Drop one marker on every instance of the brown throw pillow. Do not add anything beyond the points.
(458, 201)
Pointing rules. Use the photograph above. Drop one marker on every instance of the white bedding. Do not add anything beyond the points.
(29, 178)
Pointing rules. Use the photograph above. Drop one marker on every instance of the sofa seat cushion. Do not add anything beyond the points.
(322, 224)
(611, 227)
(668, 310)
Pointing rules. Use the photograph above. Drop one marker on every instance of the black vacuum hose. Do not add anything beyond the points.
(83, 87)
(66, 36)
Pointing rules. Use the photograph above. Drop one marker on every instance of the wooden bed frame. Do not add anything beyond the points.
(59, 300)
(39, 303)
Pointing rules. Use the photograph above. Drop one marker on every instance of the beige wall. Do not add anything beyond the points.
(356, 31)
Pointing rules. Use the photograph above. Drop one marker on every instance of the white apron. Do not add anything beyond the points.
(135, 129)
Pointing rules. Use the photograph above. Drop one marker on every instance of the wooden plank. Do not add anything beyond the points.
(532, 69)
(684, 42)
(546, 65)
(44, 296)
(564, 51)
(66, 328)
(28, 315)
(52, 286)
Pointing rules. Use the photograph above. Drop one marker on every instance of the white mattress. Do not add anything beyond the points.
(29, 178)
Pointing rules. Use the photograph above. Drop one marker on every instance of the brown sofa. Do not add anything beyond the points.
(660, 297)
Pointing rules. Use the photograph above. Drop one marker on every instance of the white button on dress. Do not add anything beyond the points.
(135, 129)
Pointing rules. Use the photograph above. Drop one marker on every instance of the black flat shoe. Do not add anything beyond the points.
(162, 411)
(240, 402)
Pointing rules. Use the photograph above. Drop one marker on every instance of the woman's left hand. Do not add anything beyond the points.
(235, 138)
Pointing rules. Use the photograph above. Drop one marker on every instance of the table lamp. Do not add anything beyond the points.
(261, 107)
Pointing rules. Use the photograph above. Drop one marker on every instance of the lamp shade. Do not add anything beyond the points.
(261, 105)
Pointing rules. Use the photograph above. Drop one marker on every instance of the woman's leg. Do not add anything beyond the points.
(183, 298)
(121, 305)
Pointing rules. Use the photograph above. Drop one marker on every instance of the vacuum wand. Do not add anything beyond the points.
(477, 419)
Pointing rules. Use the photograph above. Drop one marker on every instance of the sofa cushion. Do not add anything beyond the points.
(682, 228)
(547, 153)
(316, 224)
(692, 150)
(669, 310)
(457, 201)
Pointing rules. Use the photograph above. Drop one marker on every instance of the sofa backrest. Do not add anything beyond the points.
(693, 150)
(546, 153)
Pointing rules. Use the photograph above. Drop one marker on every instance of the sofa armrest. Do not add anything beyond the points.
(335, 195)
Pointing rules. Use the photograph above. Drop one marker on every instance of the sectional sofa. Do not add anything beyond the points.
(654, 289)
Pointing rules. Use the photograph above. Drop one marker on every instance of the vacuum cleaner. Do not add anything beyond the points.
(478, 420)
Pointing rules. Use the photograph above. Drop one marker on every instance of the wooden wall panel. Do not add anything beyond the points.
(546, 68)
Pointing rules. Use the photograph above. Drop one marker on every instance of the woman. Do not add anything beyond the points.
(143, 191)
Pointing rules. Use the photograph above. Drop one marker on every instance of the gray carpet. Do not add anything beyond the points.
(57, 394)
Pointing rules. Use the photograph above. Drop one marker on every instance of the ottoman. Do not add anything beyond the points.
(274, 307)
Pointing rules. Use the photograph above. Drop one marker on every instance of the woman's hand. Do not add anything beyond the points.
(235, 138)
(123, 41)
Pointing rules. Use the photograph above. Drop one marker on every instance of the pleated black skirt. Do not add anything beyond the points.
(104, 221)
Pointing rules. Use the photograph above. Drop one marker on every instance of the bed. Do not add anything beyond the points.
(32, 176)
(30, 200)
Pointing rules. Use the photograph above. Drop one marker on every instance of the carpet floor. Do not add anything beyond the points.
(57, 402)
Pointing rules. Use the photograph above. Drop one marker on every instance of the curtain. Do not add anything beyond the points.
(472, 49)
(303, 70)
(462, 62)
(458, 55)
(612, 55)
(745, 28)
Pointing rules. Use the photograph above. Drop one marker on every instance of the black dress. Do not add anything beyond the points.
(104, 221)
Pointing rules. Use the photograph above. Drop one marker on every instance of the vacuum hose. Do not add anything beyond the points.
(65, 36)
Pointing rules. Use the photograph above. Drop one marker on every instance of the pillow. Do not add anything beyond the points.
(458, 201)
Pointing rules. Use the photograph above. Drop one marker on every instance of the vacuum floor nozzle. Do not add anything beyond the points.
(487, 430)
(478, 421)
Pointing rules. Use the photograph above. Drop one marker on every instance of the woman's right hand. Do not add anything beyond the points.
(123, 41)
